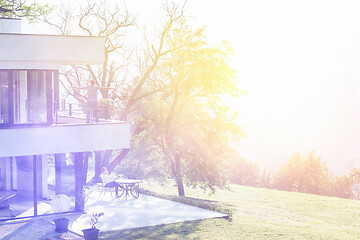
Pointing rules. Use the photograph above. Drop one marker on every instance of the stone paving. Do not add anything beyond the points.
(118, 214)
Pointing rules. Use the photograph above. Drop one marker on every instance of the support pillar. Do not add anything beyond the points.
(58, 173)
(97, 165)
(35, 184)
(79, 182)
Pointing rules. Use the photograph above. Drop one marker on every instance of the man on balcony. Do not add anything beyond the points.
(92, 102)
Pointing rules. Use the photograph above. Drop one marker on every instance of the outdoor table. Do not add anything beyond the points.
(130, 186)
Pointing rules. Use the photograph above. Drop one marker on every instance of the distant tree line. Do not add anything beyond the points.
(299, 174)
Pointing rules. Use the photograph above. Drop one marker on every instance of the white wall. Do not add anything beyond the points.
(63, 139)
(25, 51)
(10, 25)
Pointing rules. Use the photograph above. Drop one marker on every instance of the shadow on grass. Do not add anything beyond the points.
(164, 231)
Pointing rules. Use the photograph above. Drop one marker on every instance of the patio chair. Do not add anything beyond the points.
(105, 189)
(110, 188)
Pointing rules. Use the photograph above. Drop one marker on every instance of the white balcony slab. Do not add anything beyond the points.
(19, 50)
(63, 139)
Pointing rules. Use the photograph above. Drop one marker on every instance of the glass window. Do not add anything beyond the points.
(26, 96)
(20, 97)
(4, 97)
(36, 96)
(16, 192)
(29, 96)
(53, 176)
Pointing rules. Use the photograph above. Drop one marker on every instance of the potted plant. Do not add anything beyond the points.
(61, 224)
(93, 233)
(60, 203)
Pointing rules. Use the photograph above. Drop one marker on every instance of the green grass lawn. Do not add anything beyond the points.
(259, 214)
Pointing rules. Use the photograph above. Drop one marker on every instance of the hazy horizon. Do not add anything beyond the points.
(298, 62)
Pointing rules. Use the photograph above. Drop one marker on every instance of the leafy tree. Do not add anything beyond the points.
(342, 186)
(347, 186)
(244, 172)
(145, 160)
(311, 175)
(301, 174)
(266, 179)
(188, 120)
(317, 176)
(290, 176)
(355, 175)
(19, 8)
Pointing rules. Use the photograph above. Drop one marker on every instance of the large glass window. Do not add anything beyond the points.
(29, 183)
(4, 97)
(36, 96)
(26, 96)
(16, 187)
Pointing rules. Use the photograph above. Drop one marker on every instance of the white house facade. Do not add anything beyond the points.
(39, 156)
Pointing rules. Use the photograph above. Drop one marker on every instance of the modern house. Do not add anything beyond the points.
(38, 157)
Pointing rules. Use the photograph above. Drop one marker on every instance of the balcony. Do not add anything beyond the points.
(29, 51)
(69, 135)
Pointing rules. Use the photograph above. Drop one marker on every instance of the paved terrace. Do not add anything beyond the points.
(119, 214)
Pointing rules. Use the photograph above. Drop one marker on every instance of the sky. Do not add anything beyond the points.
(299, 63)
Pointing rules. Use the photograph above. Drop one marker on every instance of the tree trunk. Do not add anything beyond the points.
(180, 186)
(118, 159)
(97, 165)
(85, 167)
(106, 158)
(178, 176)
(124, 114)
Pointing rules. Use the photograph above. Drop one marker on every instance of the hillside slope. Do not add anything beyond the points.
(261, 214)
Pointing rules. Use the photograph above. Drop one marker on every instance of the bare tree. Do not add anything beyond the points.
(154, 52)
(102, 20)
(129, 88)
(148, 83)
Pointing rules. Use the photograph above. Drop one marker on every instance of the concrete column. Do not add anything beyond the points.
(79, 184)
(44, 176)
(8, 173)
(58, 158)
(25, 176)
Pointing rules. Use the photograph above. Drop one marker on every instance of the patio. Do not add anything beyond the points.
(118, 214)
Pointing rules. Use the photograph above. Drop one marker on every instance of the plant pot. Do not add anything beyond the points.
(91, 233)
(61, 224)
